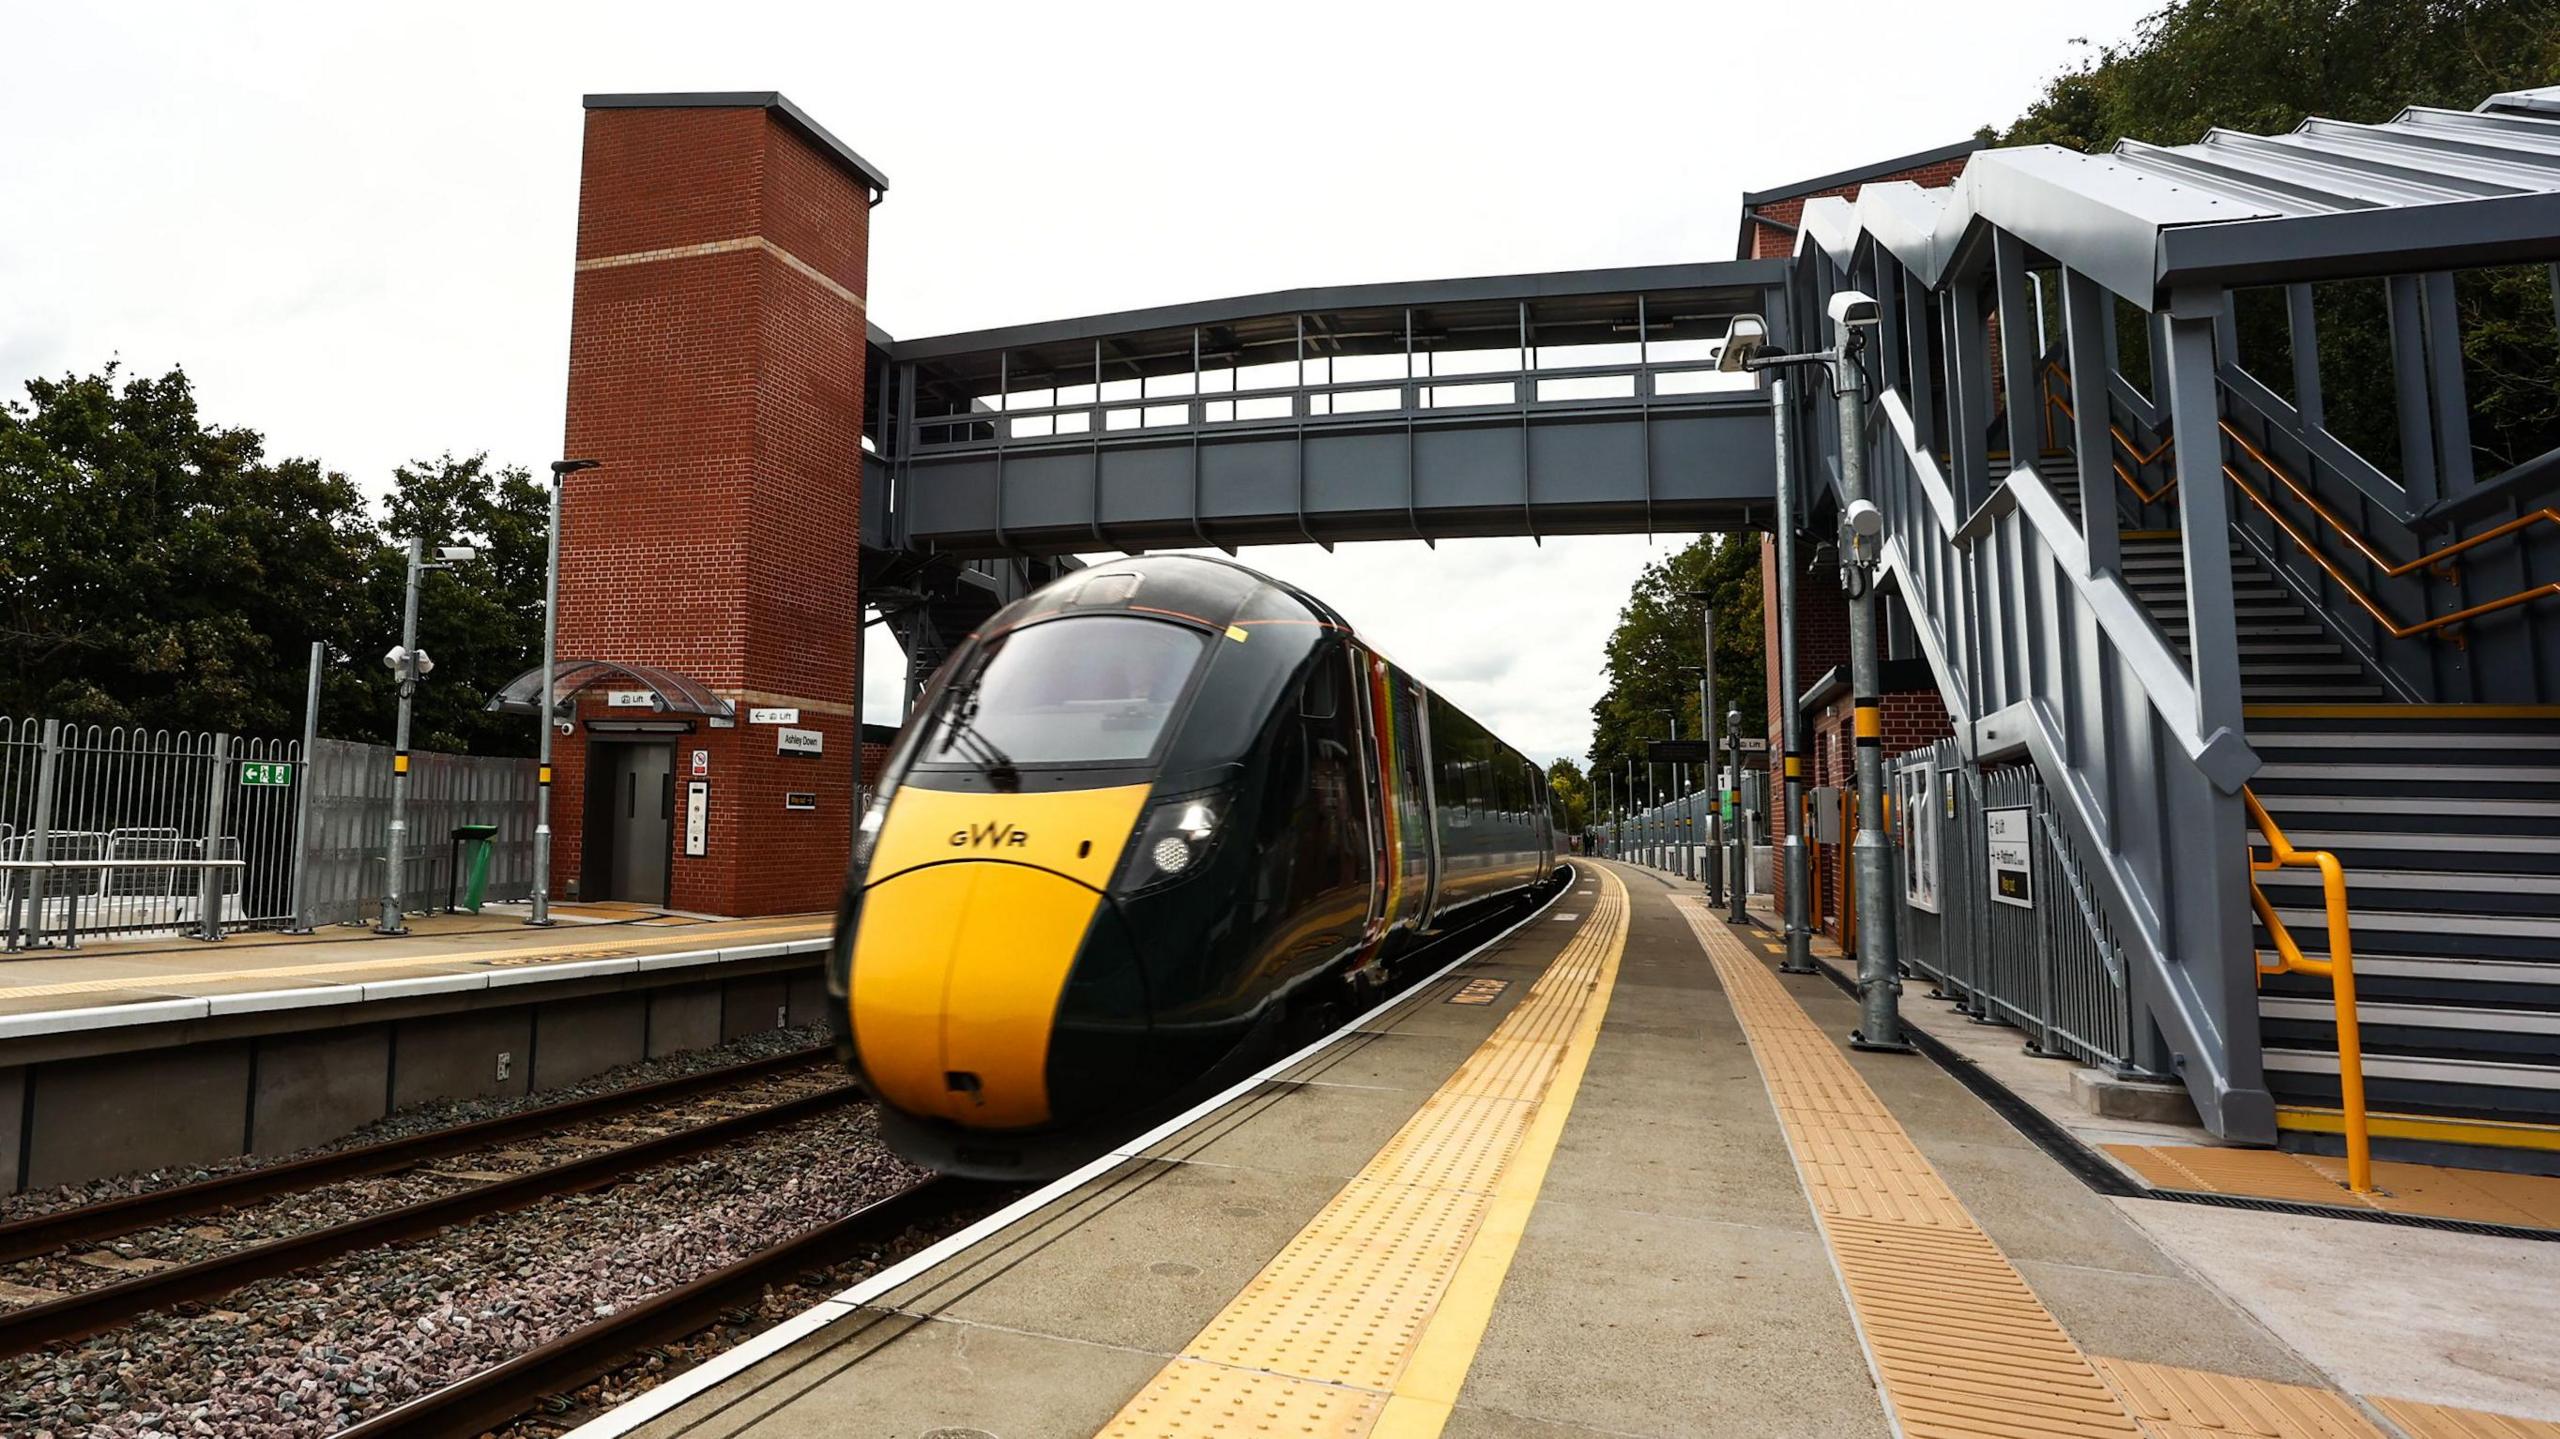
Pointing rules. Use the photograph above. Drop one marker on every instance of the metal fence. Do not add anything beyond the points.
(351, 818)
(1997, 910)
(138, 832)
(115, 831)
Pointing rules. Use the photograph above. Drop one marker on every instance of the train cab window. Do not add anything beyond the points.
(1322, 698)
(1084, 690)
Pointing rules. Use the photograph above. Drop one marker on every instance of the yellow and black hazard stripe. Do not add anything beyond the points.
(1870, 722)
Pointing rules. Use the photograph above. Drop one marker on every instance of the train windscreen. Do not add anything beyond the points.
(1092, 689)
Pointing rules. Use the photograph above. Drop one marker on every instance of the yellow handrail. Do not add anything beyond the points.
(2437, 559)
(2338, 968)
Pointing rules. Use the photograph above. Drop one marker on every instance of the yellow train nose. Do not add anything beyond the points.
(957, 970)
(977, 908)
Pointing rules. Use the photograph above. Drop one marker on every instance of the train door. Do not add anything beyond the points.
(1425, 786)
(1385, 882)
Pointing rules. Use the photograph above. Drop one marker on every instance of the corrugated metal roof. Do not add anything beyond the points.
(2332, 197)
(2422, 156)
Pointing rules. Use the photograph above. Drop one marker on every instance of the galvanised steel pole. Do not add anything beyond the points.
(302, 796)
(1879, 987)
(397, 851)
(1738, 835)
(542, 700)
(1793, 850)
(1707, 729)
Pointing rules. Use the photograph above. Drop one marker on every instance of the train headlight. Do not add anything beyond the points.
(1176, 838)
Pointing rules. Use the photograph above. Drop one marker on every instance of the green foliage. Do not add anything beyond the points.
(162, 571)
(156, 570)
(1573, 795)
(1653, 656)
(2264, 66)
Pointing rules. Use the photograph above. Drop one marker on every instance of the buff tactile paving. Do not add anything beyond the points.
(2487, 1197)
(1961, 1345)
(2175, 1403)
(2442, 1421)
(1315, 1343)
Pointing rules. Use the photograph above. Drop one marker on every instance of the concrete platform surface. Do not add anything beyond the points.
(1645, 1188)
(261, 970)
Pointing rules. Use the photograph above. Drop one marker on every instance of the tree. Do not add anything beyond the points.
(156, 570)
(481, 621)
(161, 571)
(1652, 659)
(1573, 795)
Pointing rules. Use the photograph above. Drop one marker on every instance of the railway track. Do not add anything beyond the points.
(507, 1391)
(92, 1311)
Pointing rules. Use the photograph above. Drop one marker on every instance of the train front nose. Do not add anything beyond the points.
(987, 957)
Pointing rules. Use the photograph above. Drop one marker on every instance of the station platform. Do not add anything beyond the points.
(114, 984)
(282, 1042)
(1613, 1174)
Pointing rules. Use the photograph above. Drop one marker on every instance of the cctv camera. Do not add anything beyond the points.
(1855, 310)
(1865, 520)
(1744, 335)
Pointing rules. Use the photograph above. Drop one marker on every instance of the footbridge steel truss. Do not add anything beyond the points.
(1525, 404)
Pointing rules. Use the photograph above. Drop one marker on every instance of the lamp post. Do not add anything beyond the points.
(1674, 851)
(1852, 313)
(412, 664)
(561, 470)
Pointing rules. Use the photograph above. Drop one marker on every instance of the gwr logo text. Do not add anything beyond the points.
(990, 835)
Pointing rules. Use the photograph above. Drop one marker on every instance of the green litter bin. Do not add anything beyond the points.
(473, 843)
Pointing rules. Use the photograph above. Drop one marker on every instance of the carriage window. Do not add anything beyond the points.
(1095, 688)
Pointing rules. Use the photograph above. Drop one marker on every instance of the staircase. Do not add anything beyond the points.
(2285, 653)
(2447, 821)
(2448, 826)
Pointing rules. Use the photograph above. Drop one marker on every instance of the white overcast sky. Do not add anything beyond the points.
(353, 224)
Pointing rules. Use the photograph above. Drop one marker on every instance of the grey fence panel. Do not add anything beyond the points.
(138, 832)
(2053, 966)
(351, 818)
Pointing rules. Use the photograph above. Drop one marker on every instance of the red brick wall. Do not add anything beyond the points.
(1822, 644)
(1770, 242)
(721, 384)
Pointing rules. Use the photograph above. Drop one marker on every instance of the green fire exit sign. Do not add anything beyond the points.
(265, 772)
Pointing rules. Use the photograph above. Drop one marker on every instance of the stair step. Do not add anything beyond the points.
(2456, 1017)
(2404, 740)
(2308, 924)
(2493, 976)
(2486, 1074)
(2419, 772)
(2500, 855)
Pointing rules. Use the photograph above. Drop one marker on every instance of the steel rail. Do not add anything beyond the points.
(77, 1316)
(495, 1395)
(38, 1233)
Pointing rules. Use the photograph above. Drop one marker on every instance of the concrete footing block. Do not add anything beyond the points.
(2152, 1101)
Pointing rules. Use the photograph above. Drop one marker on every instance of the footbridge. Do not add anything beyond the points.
(1581, 402)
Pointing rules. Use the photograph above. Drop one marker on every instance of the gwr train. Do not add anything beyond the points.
(1150, 820)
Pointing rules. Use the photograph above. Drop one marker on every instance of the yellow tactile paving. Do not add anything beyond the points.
(604, 947)
(2442, 1421)
(2199, 1404)
(1320, 1343)
(2477, 1195)
(1961, 1345)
